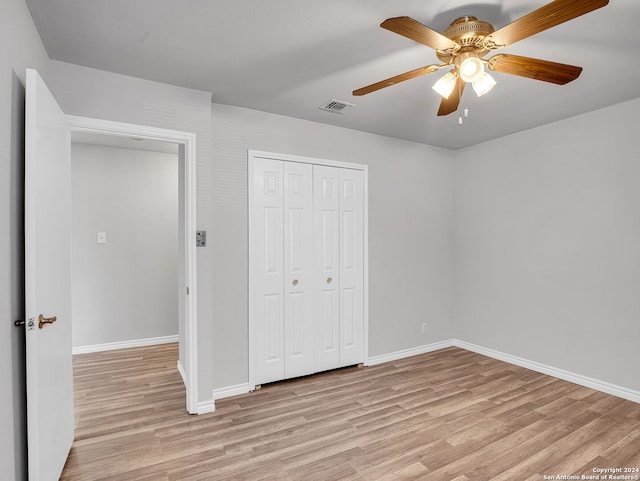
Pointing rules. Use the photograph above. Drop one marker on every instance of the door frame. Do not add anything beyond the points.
(187, 151)
(253, 154)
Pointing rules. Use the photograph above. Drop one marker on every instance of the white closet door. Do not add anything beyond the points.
(351, 267)
(298, 269)
(326, 225)
(267, 265)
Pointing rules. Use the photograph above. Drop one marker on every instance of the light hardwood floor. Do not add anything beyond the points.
(448, 415)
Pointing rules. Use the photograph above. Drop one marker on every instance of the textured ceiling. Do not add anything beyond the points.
(290, 56)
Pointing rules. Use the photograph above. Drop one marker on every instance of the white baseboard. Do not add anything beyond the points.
(182, 372)
(415, 351)
(112, 346)
(205, 407)
(619, 391)
(229, 391)
(579, 379)
(209, 406)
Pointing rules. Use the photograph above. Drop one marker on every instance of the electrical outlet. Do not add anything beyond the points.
(424, 327)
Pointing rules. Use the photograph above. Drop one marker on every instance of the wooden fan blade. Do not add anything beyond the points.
(450, 105)
(557, 73)
(552, 14)
(397, 79)
(410, 28)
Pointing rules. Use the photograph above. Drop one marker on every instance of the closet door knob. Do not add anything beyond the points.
(329, 280)
(295, 282)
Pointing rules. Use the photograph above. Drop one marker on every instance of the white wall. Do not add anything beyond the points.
(127, 288)
(21, 48)
(547, 263)
(410, 229)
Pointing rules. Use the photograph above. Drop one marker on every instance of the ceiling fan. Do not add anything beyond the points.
(464, 44)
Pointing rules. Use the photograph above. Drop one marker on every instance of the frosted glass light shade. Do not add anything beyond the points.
(483, 84)
(471, 68)
(446, 84)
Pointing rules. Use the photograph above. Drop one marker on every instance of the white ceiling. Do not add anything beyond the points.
(290, 56)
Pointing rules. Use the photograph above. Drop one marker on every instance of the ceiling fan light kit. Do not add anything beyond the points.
(483, 84)
(467, 40)
(446, 84)
(469, 66)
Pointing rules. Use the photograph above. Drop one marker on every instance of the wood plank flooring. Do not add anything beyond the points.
(447, 415)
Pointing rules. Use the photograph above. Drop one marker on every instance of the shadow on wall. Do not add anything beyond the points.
(18, 358)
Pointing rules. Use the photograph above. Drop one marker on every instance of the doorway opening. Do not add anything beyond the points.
(165, 153)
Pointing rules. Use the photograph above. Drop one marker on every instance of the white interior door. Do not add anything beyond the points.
(298, 269)
(267, 303)
(48, 282)
(351, 267)
(326, 225)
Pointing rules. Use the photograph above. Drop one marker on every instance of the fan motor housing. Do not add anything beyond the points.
(469, 33)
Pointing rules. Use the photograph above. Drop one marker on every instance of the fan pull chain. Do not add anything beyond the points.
(466, 114)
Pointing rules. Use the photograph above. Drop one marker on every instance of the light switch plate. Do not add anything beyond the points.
(201, 238)
(102, 237)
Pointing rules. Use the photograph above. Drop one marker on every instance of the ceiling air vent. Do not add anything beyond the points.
(336, 106)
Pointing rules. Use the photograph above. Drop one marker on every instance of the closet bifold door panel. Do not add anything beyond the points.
(267, 270)
(298, 270)
(326, 226)
(306, 266)
(351, 267)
